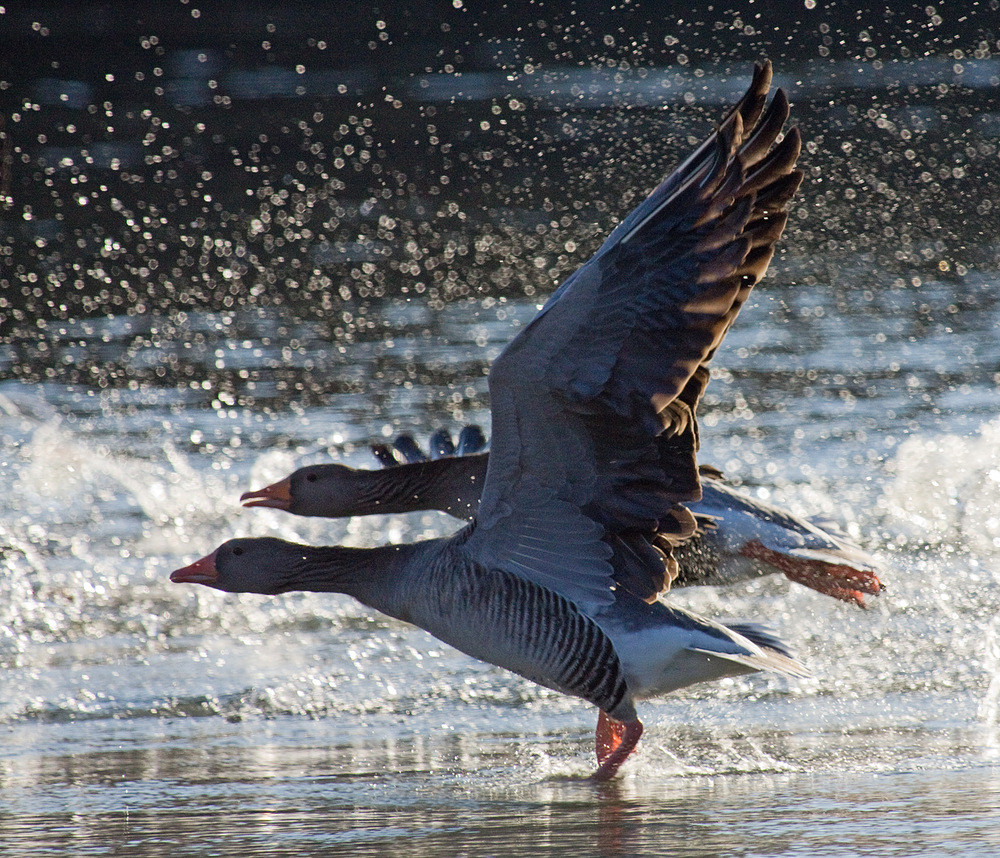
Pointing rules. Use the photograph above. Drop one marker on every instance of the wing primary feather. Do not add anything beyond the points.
(749, 107)
(706, 178)
(759, 141)
(780, 161)
(773, 198)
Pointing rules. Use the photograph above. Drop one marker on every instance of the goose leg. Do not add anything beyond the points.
(608, 735)
(615, 741)
(842, 582)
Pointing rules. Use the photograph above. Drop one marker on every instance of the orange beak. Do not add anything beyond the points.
(278, 496)
(200, 572)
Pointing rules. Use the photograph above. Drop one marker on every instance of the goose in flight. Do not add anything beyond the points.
(738, 538)
(592, 457)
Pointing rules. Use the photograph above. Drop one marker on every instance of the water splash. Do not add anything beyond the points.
(989, 707)
(945, 491)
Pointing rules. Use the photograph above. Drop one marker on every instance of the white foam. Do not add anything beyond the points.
(946, 490)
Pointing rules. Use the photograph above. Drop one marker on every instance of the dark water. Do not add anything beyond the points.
(188, 312)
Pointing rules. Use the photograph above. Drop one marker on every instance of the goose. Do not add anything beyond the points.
(738, 538)
(593, 404)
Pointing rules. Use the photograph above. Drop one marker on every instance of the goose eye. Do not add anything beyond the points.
(311, 478)
(237, 551)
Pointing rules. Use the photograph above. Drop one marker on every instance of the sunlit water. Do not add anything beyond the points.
(139, 711)
(140, 717)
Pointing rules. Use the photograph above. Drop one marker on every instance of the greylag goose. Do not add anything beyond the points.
(592, 457)
(738, 538)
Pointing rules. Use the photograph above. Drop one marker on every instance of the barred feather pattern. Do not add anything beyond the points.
(533, 631)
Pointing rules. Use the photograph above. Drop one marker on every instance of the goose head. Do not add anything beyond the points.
(242, 566)
(316, 490)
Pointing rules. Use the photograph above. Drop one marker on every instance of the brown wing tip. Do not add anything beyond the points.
(793, 141)
(780, 102)
(775, 196)
(752, 103)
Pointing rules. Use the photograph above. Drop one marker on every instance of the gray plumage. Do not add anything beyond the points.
(592, 456)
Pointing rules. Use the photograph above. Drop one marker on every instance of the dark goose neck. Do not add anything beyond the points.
(452, 485)
(373, 576)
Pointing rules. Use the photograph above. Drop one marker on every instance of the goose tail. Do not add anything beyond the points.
(767, 651)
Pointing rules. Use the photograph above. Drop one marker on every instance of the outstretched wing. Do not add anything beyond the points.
(593, 403)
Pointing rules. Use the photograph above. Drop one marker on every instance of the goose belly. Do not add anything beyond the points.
(530, 630)
(676, 651)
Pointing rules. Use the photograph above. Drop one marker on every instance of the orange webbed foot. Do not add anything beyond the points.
(846, 583)
(615, 741)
